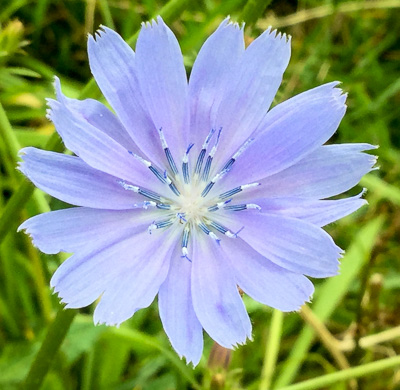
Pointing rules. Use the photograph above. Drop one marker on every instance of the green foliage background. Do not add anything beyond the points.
(353, 327)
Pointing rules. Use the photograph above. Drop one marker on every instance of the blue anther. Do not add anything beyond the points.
(185, 172)
(236, 207)
(185, 238)
(171, 161)
(229, 193)
(174, 189)
(218, 227)
(207, 189)
(207, 168)
(149, 194)
(185, 165)
(213, 208)
(204, 228)
(229, 163)
(199, 162)
(162, 224)
(200, 159)
(158, 174)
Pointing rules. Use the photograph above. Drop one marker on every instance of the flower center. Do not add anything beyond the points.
(191, 208)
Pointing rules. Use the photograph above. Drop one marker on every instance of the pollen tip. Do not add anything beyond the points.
(189, 147)
(186, 257)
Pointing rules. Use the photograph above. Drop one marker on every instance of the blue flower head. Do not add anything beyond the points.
(190, 190)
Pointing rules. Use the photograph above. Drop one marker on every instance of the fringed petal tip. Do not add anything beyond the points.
(338, 96)
(30, 232)
(21, 165)
(308, 300)
(57, 87)
(102, 32)
(227, 22)
(107, 323)
(107, 320)
(280, 37)
(157, 22)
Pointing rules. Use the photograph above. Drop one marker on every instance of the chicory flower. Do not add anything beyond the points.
(190, 190)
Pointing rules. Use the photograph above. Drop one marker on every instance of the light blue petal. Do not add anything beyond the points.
(216, 300)
(113, 65)
(329, 171)
(163, 82)
(176, 310)
(264, 281)
(97, 115)
(76, 229)
(290, 132)
(209, 77)
(251, 89)
(317, 212)
(83, 277)
(69, 179)
(147, 263)
(97, 149)
(290, 243)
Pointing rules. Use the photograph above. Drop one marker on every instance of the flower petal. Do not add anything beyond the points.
(329, 171)
(79, 228)
(176, 310)
(97, 115)
(216, 299)
(97, 149)
(264, 281)
(251, 89)
(317, 212)
(289, 132)
(83, 277)
(291, 243)
(210, 72)
(163, 82)
(113, 65)
(137, 285)
(69, 179)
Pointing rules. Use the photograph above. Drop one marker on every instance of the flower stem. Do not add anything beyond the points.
(345, 375)
(218, 363)
(56, 333)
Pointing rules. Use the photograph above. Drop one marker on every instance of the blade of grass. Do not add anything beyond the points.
(330, 295)
(344, 375)
(271, 350)
(56, 333)
(329, 341)
(106, 13)
(254, 10)
(381, 189)
(327, 10)
(138, 338)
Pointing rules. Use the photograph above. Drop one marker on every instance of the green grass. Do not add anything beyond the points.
(355, 42)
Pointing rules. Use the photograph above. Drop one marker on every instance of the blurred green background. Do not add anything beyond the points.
(349, 336)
